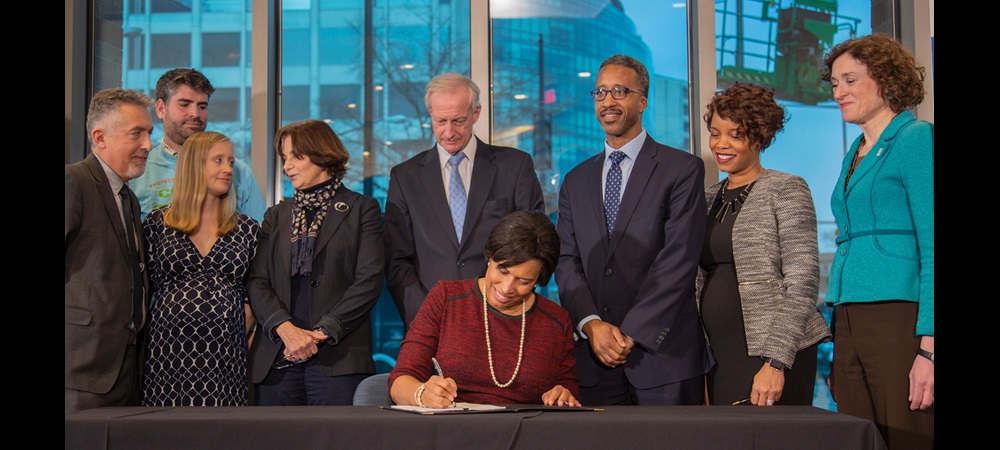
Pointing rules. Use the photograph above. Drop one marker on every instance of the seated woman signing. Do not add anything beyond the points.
(497, 341)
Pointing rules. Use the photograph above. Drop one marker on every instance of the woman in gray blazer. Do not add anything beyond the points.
(758, 279)
(316, 277)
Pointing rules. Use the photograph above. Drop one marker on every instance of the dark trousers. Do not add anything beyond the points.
(613, 388)
(306, 385)
(125, 392)
(873, 352)
(731, 380)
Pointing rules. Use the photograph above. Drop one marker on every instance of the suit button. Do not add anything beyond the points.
(606, 309)
(461, 264)
(608, 272)
(843, 251)
(314, 283)
(130, 326)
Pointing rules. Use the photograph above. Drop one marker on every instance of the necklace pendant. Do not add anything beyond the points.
(723, 212)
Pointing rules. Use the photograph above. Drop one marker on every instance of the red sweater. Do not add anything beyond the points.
(449, 326)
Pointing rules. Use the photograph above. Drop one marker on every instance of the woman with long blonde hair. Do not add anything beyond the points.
(199, 250)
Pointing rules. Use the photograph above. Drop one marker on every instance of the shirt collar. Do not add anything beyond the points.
(167, 148)
(469, 150)
(631, 148)
(116, 181)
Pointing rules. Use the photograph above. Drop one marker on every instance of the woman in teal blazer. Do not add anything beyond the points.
(882, 276)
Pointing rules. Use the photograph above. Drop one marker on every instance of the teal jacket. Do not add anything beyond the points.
(885, 222)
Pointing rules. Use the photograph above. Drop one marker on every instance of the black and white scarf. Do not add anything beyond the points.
(304, 232)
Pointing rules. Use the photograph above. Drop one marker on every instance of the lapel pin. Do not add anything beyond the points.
(341, 206)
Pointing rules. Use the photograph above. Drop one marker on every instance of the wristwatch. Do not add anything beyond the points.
(775, 364)
(925, 354)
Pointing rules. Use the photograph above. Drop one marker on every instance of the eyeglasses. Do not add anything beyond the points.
(617, 93)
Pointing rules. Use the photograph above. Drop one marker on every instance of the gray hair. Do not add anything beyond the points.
(108, 101)
(448, 82)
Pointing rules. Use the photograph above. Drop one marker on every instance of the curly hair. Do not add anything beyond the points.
(753, 109)
(894, 69)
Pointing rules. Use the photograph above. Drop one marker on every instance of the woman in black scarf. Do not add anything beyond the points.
(316, 277)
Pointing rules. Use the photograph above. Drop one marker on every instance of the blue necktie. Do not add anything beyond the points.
(456, 195)
(613, 189)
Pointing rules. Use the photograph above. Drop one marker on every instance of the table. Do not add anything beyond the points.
(364, 427)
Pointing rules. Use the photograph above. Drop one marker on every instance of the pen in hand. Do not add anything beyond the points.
(437, 368)
(746, 400)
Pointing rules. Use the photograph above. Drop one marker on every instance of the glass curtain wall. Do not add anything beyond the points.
(545, 59)
(360, 65)
(545, 62)
(781, 45)
(138, 40)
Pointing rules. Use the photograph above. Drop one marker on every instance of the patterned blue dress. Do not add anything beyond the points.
(196, 340)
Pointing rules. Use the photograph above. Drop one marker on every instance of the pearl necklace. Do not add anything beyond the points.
(489, 349)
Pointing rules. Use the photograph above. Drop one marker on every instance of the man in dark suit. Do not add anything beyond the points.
(425, 243)
(631, 224)
(106, 285)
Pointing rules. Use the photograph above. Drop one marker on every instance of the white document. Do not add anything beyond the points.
(459, 407)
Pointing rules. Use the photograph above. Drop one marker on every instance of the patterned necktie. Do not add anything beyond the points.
(456, 194)
(126, 195)
(613, 189)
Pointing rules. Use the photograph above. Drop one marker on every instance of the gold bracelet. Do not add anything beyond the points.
(417, 394)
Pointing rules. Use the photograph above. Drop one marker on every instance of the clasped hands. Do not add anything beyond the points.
(608, 343)
(300, 344)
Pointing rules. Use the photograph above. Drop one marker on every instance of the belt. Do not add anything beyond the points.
(848, 236)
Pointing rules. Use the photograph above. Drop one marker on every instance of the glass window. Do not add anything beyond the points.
(781, 45)
(295, 45)
(220, 49)
(134, 55)
(349, 45)
(225, 105)
(169, 6)
(169, 51)
(545, 60)
(158, 35)
(380, 119)
(294, 103)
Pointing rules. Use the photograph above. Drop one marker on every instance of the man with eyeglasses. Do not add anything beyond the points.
(182, 96)
(631, 224)
(443, 202)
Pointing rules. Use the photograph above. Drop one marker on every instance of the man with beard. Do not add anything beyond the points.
(106, 284)
(182, 104)
(631, 225)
